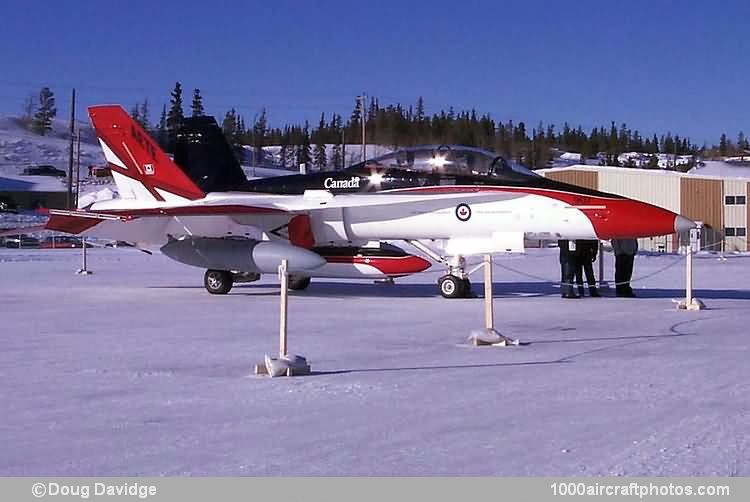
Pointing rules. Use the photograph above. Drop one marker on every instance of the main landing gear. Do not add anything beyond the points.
(220, 282)
(298, 283)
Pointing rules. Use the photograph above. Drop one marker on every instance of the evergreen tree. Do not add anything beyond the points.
(742, 142)
(337, 159)
(260, 130)
(723, 147)
(669, 144)
(229, 126)
(355, 123)
(161, 130)
(145, 111)
(45, 112)
(197, 105)
(372, 111)
(303, 151)
(240, 132)
(284, 153)
(135, 113)
(139, 112)
(319, 153)
(175, 116)
(419, 110)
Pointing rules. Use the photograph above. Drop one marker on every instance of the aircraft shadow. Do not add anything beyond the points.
(500, 290)
(439, 367)
(619, 342)
(322, 289)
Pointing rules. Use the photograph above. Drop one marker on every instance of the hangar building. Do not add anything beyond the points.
(715, 195)
(33, 192)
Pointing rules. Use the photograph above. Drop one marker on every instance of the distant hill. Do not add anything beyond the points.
(20, 148)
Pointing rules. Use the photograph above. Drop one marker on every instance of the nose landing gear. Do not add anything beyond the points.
(455, 284)
(452, 286)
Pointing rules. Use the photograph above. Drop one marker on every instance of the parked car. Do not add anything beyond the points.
(21, 241)
(100, 171)
(119, 244)
(7, 205)
(45, 170)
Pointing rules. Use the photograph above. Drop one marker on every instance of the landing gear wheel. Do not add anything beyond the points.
(298, 283)
(218, 282)
(451, 286)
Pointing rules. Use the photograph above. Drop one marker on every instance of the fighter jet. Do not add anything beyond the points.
(449, 202)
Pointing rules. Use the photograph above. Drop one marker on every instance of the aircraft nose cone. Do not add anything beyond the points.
(682, 224)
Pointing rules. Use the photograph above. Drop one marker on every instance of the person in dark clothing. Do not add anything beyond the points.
(625, 251)
(578, 259)
(567, 268)
(586, 251)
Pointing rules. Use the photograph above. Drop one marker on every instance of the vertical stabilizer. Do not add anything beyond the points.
(141, 170)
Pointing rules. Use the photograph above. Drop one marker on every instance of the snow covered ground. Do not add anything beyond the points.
(136, 370)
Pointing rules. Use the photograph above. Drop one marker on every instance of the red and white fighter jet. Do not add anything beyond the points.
(449, 202)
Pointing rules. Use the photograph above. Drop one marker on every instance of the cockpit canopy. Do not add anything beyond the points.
(448, 160)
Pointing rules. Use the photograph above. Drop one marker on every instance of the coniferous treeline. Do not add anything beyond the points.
(397, 125)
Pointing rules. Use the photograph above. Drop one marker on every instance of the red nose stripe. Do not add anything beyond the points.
(613, 216)
(630, 219)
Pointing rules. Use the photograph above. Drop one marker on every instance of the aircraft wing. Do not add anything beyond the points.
(235, 214)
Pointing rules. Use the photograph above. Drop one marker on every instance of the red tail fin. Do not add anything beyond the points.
(140, 168)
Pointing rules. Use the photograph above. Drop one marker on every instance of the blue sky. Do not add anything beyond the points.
(656, 65)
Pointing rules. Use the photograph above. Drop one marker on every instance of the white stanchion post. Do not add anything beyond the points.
(689, 277)
(690, 302)
(83, 270)
(285, 364)
(284, 309)
(488, 335)
(489, 314)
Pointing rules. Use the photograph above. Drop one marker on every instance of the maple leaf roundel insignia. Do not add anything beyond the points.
(463, 212)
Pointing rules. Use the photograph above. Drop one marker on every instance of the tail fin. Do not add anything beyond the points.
(203, 153)
(141, 170)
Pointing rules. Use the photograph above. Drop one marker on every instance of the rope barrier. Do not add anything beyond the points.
(544, 279)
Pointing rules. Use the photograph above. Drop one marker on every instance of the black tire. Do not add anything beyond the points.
(451, 286)
(218, 282)
(298, 283)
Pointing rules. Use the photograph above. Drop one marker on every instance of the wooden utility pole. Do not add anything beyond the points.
(363, 120)
(72, 145)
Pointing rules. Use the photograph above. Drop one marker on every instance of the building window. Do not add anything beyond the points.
(734, 200)
(729, 232)
(741, 232)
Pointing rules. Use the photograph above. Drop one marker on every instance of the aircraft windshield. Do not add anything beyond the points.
(448, 160)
